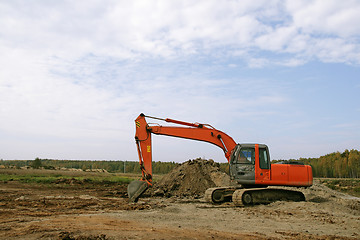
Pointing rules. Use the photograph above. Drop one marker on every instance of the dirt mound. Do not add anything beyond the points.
(191, 179)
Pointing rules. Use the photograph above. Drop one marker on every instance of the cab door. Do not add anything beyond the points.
(242, 164)
(262, 164)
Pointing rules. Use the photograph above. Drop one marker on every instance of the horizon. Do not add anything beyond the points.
(112, 160)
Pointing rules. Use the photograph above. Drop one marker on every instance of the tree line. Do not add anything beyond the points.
(110, 166)
(333, 165)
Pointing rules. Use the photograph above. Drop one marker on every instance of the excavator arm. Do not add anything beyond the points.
(194, 131)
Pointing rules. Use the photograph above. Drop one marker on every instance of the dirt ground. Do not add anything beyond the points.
(72, 210)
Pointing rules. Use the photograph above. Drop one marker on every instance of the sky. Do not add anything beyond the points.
(74, 75)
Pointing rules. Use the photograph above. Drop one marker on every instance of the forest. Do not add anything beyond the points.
(110, 166)
(333, 165)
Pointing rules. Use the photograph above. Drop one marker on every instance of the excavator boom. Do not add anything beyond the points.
(194, 131)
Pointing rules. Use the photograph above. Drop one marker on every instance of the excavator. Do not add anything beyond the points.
(249, 165)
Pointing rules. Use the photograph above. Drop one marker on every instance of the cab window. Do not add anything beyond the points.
(246, 156)
(264, 160)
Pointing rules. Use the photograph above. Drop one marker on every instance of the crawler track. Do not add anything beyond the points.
(219, 195)
(245, 197)
(265, 196)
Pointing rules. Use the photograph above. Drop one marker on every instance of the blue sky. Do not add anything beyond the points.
(75, 75)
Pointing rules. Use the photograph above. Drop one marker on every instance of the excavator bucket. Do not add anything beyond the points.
(135, 189)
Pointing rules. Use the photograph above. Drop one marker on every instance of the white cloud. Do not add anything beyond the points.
(82, 69)
(326, 17)
(336, 50)
(138, 29)
(276, 39)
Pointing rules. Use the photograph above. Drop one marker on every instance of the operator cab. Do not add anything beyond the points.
(249, 160)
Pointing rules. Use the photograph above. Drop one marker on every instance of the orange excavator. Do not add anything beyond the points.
(249, 165)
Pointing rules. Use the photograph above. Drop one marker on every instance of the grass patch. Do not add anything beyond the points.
(52, 177)
(350, 186)
(106, 179)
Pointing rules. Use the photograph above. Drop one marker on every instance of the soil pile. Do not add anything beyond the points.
(191, 179)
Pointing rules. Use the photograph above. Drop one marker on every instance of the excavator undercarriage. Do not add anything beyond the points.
(245, 197)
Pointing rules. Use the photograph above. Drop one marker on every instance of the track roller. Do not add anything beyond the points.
(219, 195)
(246, 197)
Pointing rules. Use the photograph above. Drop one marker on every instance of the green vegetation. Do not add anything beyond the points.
(36, 163)
(350, 186)
(47, 177)
(110, 166)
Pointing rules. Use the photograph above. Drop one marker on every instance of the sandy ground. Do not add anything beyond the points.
(85, 211)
